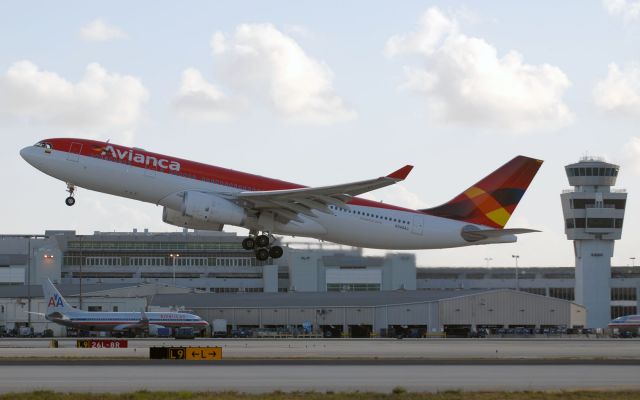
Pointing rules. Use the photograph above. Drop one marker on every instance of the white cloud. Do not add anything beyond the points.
(628, 9)
(631, 155)
(397, 195)
(99, 31)
(619, 92)
(260, 62)
(98, 102)
(198, 99)
(465, 81)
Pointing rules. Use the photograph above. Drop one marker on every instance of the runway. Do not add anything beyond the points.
(320, 375)
(464, 349)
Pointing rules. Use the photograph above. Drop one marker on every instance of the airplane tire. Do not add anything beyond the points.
(276, 252)
(262, 254)
(70, 201)
(262, 241)
(249, 243)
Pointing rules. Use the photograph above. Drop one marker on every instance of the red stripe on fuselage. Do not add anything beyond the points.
(194, 170)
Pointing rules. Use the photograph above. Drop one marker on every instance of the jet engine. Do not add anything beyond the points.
(176, 218)
(210, 208)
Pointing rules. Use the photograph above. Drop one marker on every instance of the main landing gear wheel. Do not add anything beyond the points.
(262, 241)
(275, 252)
(262, 254)
(249, 243)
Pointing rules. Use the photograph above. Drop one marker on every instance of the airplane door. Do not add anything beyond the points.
(417, 224)
(74, 151)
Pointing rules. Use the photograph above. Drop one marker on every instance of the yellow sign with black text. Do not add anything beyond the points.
(203, 353)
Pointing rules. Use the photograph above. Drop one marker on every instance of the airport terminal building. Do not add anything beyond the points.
(210, 274)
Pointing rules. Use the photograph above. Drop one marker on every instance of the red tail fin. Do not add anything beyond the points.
(491, 201)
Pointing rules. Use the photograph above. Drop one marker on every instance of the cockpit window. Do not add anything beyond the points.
(45, 145)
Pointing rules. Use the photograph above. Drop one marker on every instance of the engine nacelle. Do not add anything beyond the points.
(211, 209)
(176, 218)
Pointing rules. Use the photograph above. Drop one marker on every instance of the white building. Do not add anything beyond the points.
(594, 214)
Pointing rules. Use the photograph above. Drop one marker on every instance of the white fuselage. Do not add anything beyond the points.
(109, 321)
(361, 226)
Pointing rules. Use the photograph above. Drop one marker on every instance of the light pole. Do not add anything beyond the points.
(29, 281)
(487, 260)
(633, 261)
(516, 256)
(173, 264)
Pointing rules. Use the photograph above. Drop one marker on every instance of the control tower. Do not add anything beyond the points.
(593, 214)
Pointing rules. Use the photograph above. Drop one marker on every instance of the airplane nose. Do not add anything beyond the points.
(25, 154)
(29, 154)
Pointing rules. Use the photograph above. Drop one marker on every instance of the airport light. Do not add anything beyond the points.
(633, 261)
(516, 257)
(173, 264)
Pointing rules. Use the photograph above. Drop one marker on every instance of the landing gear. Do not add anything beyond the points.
(262, 254)
(262, 241)
(275, 252)
(261, 245)
(70, 200)
(249, 243)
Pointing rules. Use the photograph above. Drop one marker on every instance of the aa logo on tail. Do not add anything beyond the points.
(55, 301)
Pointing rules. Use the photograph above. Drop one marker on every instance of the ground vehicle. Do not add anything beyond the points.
(219, 328)
(184, 333)
(241, 333)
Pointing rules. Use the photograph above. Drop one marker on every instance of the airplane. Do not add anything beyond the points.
(207, 197)
(626, 323)
(60, 312)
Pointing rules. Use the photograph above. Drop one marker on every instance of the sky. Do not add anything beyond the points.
(322, 93)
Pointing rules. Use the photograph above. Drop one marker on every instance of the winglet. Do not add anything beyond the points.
(401, 174)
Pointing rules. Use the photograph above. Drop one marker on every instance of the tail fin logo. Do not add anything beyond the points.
(55, 301)
(492, 200)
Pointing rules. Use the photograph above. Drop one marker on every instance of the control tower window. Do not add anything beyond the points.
(582, 203)
(618, 204)
(600, 223)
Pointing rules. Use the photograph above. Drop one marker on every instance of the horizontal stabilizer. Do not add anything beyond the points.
(476, 235)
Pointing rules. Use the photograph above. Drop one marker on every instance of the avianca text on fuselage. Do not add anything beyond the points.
(138, 158)
(201, 196)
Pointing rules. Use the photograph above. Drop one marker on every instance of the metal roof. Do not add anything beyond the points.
(306, 299)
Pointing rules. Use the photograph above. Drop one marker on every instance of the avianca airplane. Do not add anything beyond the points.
(202, 196)
(60, 312)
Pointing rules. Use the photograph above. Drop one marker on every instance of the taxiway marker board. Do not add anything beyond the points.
(101, 344)
(204, 353)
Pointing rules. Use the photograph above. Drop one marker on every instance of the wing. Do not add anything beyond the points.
(287, 204)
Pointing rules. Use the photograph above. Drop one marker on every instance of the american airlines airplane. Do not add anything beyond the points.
(202, 196)
(626, 323)
(60, 312)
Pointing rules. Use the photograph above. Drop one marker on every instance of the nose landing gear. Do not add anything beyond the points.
(261, 245)
(70, 200)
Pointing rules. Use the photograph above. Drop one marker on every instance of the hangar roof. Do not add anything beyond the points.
(305, 299)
